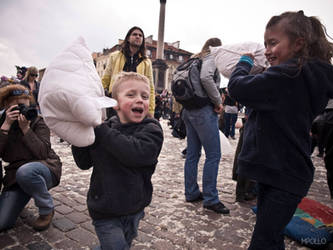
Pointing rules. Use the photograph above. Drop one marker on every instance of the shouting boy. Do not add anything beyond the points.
(123, 157)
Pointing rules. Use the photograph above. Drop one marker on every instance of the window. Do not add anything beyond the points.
(180, 58)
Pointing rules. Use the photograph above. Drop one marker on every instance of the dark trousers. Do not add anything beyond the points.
(244, 185)
(1, 175)
(230, 122)
(275, 209)
(329, 156)
(329, 173)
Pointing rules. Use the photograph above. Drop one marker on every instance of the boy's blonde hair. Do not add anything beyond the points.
(126, 76)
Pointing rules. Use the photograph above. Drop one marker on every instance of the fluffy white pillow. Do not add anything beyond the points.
(71, 95)
(227, 56)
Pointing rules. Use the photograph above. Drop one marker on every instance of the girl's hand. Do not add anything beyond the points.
(249, 55)
(11, 116)
(23, 123)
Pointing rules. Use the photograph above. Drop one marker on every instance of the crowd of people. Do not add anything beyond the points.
(273, 157)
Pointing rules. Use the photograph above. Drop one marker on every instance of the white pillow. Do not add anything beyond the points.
(227, 56)
(71, 95)
(226, 148)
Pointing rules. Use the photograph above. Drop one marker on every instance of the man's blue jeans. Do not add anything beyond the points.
(230, 122)
(202, 130)
(33, 180)
(117, 233)
(275, 209)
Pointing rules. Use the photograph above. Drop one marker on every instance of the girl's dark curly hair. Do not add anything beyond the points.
(297, 25)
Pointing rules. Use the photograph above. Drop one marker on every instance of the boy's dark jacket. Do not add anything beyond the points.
(284, 101)
(123, 157)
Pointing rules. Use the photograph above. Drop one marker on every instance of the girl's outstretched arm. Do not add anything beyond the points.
(254, 91)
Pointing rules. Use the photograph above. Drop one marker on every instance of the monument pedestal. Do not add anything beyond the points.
(159, 69)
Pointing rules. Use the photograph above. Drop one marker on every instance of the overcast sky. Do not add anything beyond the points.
(33, 32)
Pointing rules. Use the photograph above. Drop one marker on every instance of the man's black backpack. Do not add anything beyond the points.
(186, 85)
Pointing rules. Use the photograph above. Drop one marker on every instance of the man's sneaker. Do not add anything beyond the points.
(199, 198)
(218, 208)
(43, 221)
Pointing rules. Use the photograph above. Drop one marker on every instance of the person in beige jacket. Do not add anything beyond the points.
(131, 58)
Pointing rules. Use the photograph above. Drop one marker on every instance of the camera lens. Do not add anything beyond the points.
(31, 113)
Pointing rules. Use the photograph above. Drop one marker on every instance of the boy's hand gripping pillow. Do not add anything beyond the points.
(227, 56)
(71, 95)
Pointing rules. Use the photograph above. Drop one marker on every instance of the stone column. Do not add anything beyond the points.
(160, 44)
(159, 66)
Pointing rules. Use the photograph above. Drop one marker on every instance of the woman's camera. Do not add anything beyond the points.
(30, 112)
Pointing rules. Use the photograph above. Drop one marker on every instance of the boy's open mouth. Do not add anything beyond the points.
(137, 110)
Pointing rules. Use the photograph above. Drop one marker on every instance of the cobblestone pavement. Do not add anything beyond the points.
(170, 222)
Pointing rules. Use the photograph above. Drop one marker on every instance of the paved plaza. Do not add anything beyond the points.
(170, 222)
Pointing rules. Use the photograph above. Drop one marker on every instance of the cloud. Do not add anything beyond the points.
(9, 58)
(34, 32)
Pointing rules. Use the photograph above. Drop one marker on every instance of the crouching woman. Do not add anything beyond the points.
(33, 167)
